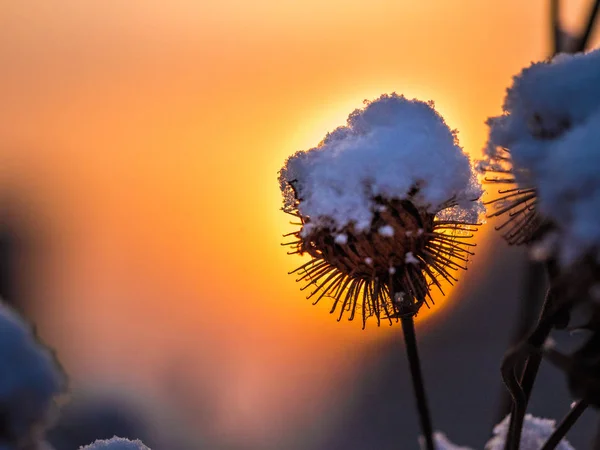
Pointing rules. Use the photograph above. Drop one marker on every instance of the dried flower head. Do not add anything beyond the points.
(386, 206)
(545, 103)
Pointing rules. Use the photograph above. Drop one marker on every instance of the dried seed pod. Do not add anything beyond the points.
(381, 226)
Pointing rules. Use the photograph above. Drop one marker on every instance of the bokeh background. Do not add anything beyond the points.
(140, 215)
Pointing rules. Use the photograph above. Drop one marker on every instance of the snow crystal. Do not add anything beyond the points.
(535, 433)
(30, 378)
(441, 442)
(116, 443)
(368, 260)
(392, 270)
(386, 230)
(393, 148)
(409, 258)
(341, 239)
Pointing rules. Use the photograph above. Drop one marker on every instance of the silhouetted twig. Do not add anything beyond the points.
(410, 339)
(566, 424)
(583, 40)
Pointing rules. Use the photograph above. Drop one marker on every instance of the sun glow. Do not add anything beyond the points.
(145, 138)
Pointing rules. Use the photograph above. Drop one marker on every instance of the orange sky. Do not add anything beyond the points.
(147, 136)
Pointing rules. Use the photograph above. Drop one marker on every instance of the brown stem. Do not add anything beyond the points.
(589, 27)
(410, 339)
(532, 347)
(556, 27)
(530, 306)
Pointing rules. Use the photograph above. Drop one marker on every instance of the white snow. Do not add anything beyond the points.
(569, 190)
(409, 258)
(390, 147)
(30, 378)
(341, 239)
(115, 443)
(386, 230)
(536, 432)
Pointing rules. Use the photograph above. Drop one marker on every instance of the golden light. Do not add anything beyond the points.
(147, 138)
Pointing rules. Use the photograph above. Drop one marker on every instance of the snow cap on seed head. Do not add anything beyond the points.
(393, 148)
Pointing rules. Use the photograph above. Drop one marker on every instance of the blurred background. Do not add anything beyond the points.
(140, 221)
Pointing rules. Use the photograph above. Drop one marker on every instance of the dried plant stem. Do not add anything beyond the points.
(525, 384)
(410, 339)
(521, 387)
(555, 26)
(589, 27)
(536, 340)
(566, 424)
(530, 306)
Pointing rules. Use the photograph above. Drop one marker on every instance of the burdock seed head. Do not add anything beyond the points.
(385, 206)
(544, 104)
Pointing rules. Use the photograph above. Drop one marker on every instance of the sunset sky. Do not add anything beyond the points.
(143, 140)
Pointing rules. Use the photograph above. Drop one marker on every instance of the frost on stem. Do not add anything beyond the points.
(546, 102)
(30, 380)
(441, 442)
(385, 205)
(536, 432)
(116, 443)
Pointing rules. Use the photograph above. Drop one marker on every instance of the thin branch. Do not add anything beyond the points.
(530, 307)
(531, 348)
(589, 28)
(410, 339)
(556, 27)
(566, 424)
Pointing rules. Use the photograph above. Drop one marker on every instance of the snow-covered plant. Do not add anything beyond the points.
(545, 103)
(31, 380)
(386, 205)
(547, 144)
